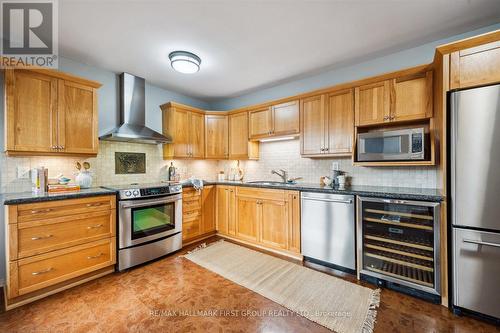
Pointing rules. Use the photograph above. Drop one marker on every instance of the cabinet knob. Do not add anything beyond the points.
(392, 117)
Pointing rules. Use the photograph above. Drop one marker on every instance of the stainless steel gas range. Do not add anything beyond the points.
(149, 222)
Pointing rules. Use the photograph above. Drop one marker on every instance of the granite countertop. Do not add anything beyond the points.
(403, 193)
(30, 197)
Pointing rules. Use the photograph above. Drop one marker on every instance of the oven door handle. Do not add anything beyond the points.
(149, 202)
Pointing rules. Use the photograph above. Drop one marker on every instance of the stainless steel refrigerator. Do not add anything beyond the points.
(475, 199)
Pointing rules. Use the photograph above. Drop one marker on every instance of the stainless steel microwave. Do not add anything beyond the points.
(392, 145)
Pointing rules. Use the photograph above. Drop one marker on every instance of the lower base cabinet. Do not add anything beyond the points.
(55, 245)
(264, 217)
(198, 213)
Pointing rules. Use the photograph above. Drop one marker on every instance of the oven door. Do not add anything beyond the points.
(382, 146)
(141, 221)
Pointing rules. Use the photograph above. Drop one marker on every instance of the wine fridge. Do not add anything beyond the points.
(398, 242)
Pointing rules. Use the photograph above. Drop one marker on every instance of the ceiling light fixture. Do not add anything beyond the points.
(184, 62)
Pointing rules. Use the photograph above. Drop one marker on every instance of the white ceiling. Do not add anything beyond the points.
(245, 45)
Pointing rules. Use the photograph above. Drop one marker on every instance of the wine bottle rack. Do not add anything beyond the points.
(399, 241)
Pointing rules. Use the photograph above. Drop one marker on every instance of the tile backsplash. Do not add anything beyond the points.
(273, 155)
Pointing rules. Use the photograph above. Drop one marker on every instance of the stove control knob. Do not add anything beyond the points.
(136, 193)
(128, 193)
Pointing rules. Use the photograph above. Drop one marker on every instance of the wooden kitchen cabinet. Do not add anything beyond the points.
(340, 121)
(208, 199)
(186, 126)
(277, 120)
(403, 98)
(216, 137)
(260, 123)
(225, 210)
(411, 97)
(475, 66)
(50, 113)
(285, 118)
(312, 114)
(54, 245)
(247, 217)
(327, 124)
(267, 218)
(240, 147)
(372, 103)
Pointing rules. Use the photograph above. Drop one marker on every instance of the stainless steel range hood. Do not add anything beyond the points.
(133, 115)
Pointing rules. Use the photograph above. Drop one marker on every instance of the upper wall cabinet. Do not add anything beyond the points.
(187, 129)
(276, 120)
(240, 148)
(216, 137)
(475, 66)
(403, 98)
(50, 113)
(327, 123)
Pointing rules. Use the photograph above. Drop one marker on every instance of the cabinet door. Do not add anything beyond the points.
(197, 135)
(475, 66)
(247, 217)
(260, 123)
(225, 212)
(208, 208)
(77, 118)
(372, 103)
(412, 97)
(181, 121)
(216, 137)
(285, 118)
(340, 115)
(274, 224)
(239, 146)
(293, 203)
(31, 112)
(312, 115)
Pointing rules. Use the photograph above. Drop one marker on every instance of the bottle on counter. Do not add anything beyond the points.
(171, 172)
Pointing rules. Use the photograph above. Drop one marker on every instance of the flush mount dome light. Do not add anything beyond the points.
(184, 62)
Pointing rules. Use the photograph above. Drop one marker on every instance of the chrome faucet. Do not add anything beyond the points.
(283, 174)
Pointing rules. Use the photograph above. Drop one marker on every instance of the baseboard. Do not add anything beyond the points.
(295, 256)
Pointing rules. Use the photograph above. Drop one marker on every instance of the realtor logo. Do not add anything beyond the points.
(29, 33)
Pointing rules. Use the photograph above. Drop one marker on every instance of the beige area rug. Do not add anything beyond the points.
(339, 305)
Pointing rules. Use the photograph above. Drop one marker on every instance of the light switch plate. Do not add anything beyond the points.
(23, 172)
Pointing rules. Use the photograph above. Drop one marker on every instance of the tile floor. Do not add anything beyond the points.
(150, 298)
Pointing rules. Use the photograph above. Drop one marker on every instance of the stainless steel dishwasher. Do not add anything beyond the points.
(328, 230)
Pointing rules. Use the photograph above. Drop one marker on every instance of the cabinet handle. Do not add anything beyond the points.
(327, 149)
(96, 256)
(94, 226)
(54, 147)
(94, 204)
(61, 147)
(41, 237)
(41, 211)
(392, 117)
(42, 272)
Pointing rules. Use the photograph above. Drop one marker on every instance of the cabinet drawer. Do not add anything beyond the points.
(190, 205)
(189, 193)
(191, 228)
(45, 210)
(34, 273)
(261, 193)
(191, 215)
(47, 235)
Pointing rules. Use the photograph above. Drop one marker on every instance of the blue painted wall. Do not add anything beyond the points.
(411, 57)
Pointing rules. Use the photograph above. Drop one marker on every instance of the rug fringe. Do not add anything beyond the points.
(202, 246)
(371, 315)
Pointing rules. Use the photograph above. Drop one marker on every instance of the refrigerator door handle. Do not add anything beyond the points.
(480, 242)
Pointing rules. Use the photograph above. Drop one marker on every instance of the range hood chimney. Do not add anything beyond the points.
(132, 126)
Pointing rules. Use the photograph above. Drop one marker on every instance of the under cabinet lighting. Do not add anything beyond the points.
(283, 138)
(184, 62)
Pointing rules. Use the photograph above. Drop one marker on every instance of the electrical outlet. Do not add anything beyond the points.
(335, 166)
(23, 172)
